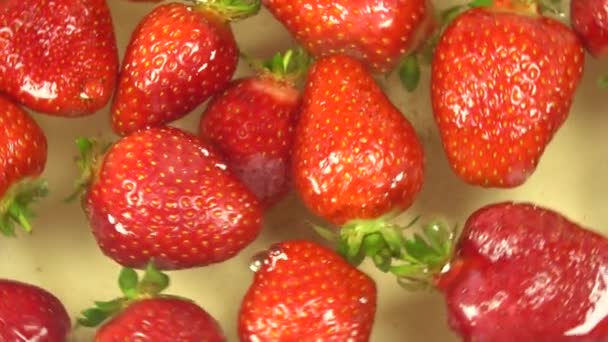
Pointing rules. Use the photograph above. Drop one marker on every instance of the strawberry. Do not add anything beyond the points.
(304, 291)
(178, 57)
(517, 272)
(31, 313)
(144, 313)
(161, 195)
(252, 124)
(23, 155)
(355, 156)
(379, 33)
(58, 57)
(589, 19)
(522, 272)
(500, 96)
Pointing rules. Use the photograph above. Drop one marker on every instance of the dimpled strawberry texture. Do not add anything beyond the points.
(29, 313)
(502, 85)
(379, 33)
(162, 194)
(58, 57)
(161, 319)
(590, 21)
(306, 292)
(178, 56)
(355, 155)
(528, 274)
(23, 147)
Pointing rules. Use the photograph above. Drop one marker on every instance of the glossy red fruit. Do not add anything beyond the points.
(589, 20)
(304, 291)
(30, 313)
(177, 57)
(162, 319)
(355, 155)
(161, 195)
(58, 57)
(379, 33)
(526, 273)
(23, 156)
(503, 82)
(252, 124)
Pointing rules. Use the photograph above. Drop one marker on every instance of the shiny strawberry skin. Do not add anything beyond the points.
(161, 195)
(177, 58)
(161, 319)
(355, 155)
(589, 19)
(502, 85)
(252, 124)
(23, 145)
(379, 33)
(58, 57)
(304, 291)
(527, 273)
(30, 313)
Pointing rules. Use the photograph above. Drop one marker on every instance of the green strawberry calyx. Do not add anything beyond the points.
(88, 160)
(133, 289)
(289, 66)
(415, 258)
(15, 204)
(230, 10)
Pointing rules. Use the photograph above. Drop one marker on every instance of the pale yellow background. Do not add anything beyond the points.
(62, 256)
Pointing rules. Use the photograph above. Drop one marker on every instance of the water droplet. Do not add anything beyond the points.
(363, 300)
(257, 261)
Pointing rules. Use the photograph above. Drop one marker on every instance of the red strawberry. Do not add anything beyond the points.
(146, 314)
(58, 57)
(355, 155)
(526, 273)
(503, 81)
(161, 195)
(252, 124)
(303, 291)
(23, 155)
(379, 33)
(30, 313)
(589, 20)
(178, 57)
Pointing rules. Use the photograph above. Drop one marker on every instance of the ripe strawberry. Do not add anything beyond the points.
(178, 57)
(58, 57)
(503, 81)
(526, 273)
(23, 155)
(146, 314)
(30, 313)
(303, 291)
(589, 20)
(161, 195)
(355, 155)
(252, 124)
(379, 33)
(518, 272)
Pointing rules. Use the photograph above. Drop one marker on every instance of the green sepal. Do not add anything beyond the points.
(231, 10)
(90, 152)
(15, 205)
(133, 288)
(409, 72)
(289, 66)
(602, 82)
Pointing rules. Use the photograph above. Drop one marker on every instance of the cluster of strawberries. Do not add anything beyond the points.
(313, 120)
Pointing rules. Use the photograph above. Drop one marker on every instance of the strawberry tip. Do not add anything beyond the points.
(15, 205)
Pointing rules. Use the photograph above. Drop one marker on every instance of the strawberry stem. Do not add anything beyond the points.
(90, 155)
(414, 259)
(133, 289)
(289, 66)
(231, 10)
(15, 205)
